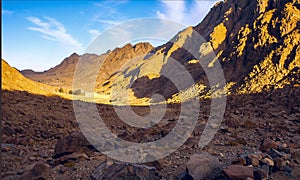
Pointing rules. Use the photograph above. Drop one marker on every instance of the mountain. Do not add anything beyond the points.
(257, 52)
(256, 44)
(62, 74)
(13, 80)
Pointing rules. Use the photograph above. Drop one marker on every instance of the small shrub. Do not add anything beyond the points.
(79, 92)
(69, 164)
(61, 90)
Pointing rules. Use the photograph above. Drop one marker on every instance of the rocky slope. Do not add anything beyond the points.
(257, 139)
(13, 80)
(259, 135)
(256, 52)
(62, 74)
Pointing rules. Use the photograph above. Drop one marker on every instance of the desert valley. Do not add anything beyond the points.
(256, 44)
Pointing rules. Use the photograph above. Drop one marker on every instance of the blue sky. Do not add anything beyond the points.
(39, 34)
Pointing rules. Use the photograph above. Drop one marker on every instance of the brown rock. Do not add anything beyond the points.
(39, 171)
(23, 141)
(204, 166)
(73, 156)
(296, 155)
(241, 161)
(280, 163)
(268, 162)
(296, 172)
(254, 159)
(70, 144)
(254, 162)
(237, 172)
(268, 144)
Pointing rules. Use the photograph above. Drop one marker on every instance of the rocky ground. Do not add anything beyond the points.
(258, 139)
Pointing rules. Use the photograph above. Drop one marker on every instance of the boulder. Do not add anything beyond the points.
(268, 144)
(204, 166)
(238, 172)
(70, 144)
(39, 171)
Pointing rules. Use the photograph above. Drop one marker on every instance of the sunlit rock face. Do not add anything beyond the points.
(256, 43)
(13, 80)
(260, 50)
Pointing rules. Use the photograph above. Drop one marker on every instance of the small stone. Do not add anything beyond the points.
(253, 159)
(44, 155)
(224, 129)
(8, 131)
(260, 173)
(237, 111)
(296, 155)
(73, 156)
(274, 153)
(236, 172)
(109, 163)
(280, 163)
(287, 156)
(241, 161)
(32, 158)
(268, 161)
(287, 169)
(268, 144)
(20, 171)
(204, 166)
(23, 141)
(254, 162)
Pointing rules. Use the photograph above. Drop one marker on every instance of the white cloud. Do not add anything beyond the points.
(173, 10)
(7, 12)
(94, 34)
(179, 11)
(109, 22)
(110, 13)
(53, 30)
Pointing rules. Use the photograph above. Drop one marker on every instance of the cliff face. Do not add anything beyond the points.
(257, 42)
